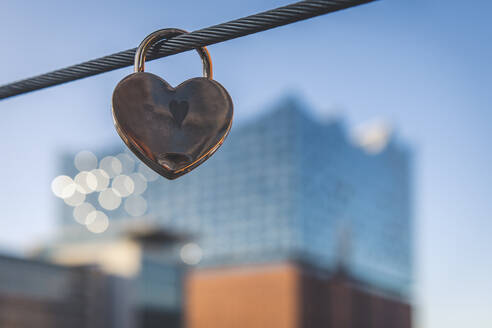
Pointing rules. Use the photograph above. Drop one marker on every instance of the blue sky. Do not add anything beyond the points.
(423, 66)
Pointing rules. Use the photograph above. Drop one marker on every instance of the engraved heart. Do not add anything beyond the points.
(179, 110)
(172, 130)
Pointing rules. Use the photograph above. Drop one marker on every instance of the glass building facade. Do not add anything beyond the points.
(286, 186)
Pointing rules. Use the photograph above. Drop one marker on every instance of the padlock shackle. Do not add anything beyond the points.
(167, 33)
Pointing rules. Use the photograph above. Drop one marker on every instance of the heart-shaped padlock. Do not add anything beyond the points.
(172, 130)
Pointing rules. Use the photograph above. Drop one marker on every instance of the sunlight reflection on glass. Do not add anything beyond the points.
(372, 136)
(98, 222)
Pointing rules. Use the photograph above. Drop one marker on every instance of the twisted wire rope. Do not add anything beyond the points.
(184, 42)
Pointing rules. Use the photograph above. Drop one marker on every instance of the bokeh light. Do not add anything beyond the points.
(87, 182)
(102, 179)
(135, 205)
(98, 222)
(123, 185)
(191, 254)
(77, 197)
(140, 183)
(147, 172)
(111, 165)
(81, 213)
(109, 200)
(85, 161)
(127, 163)
(117, 177)
(62, 186)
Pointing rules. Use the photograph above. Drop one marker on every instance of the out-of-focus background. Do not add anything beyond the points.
(353, 190)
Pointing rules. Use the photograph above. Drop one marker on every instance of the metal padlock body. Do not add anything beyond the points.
(172, 130)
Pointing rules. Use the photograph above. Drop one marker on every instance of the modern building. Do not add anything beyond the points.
(140, 257)
(285, 186)
(38, 294)
(285, 189)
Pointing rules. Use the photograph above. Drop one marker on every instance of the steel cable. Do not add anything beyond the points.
(184, 42)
